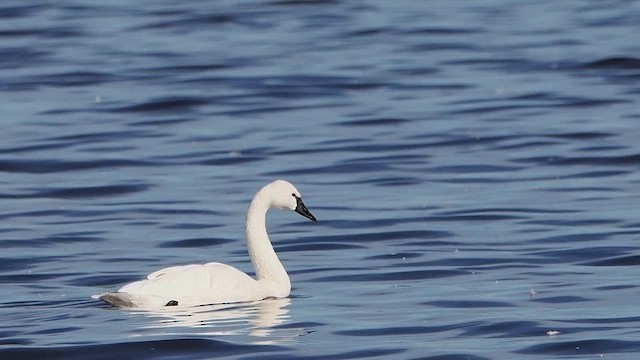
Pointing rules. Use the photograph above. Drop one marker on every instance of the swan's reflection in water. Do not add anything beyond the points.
(256, 319)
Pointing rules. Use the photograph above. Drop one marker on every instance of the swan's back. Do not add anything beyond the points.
(186, 286)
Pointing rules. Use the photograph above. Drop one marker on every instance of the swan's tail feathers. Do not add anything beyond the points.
(117, 299)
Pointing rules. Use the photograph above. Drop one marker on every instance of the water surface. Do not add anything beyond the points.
(473, 166)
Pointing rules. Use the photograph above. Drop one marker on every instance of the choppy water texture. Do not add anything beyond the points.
(474, 167)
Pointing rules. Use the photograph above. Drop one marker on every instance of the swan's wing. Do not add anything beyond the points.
(170, 270)
(194, 285)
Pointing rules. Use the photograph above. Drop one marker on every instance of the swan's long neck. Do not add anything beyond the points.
(264, 259)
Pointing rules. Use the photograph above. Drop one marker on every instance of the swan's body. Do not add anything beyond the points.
(215, 283)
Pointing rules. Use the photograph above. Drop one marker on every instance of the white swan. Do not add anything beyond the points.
(216, 283)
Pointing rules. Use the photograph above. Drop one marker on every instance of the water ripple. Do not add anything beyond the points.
(198, 348)
(583, 348)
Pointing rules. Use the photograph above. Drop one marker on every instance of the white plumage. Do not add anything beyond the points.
(214, 283)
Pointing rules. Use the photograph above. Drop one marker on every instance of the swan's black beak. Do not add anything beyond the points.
(302, 210)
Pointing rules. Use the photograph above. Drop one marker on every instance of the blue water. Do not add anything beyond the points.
(474, 167)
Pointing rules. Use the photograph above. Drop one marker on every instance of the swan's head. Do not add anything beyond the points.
(285, 196)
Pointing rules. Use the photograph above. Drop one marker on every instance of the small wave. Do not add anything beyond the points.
(197, 348)
(582, 347)
(171, 104)
(91, 191)
(194, 243)
(561, 299)
(461, 304)
(393, 276)
(53, 166)
(615, 63)
(631, 260)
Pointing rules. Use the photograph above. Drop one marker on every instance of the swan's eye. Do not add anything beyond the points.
(294, 195)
